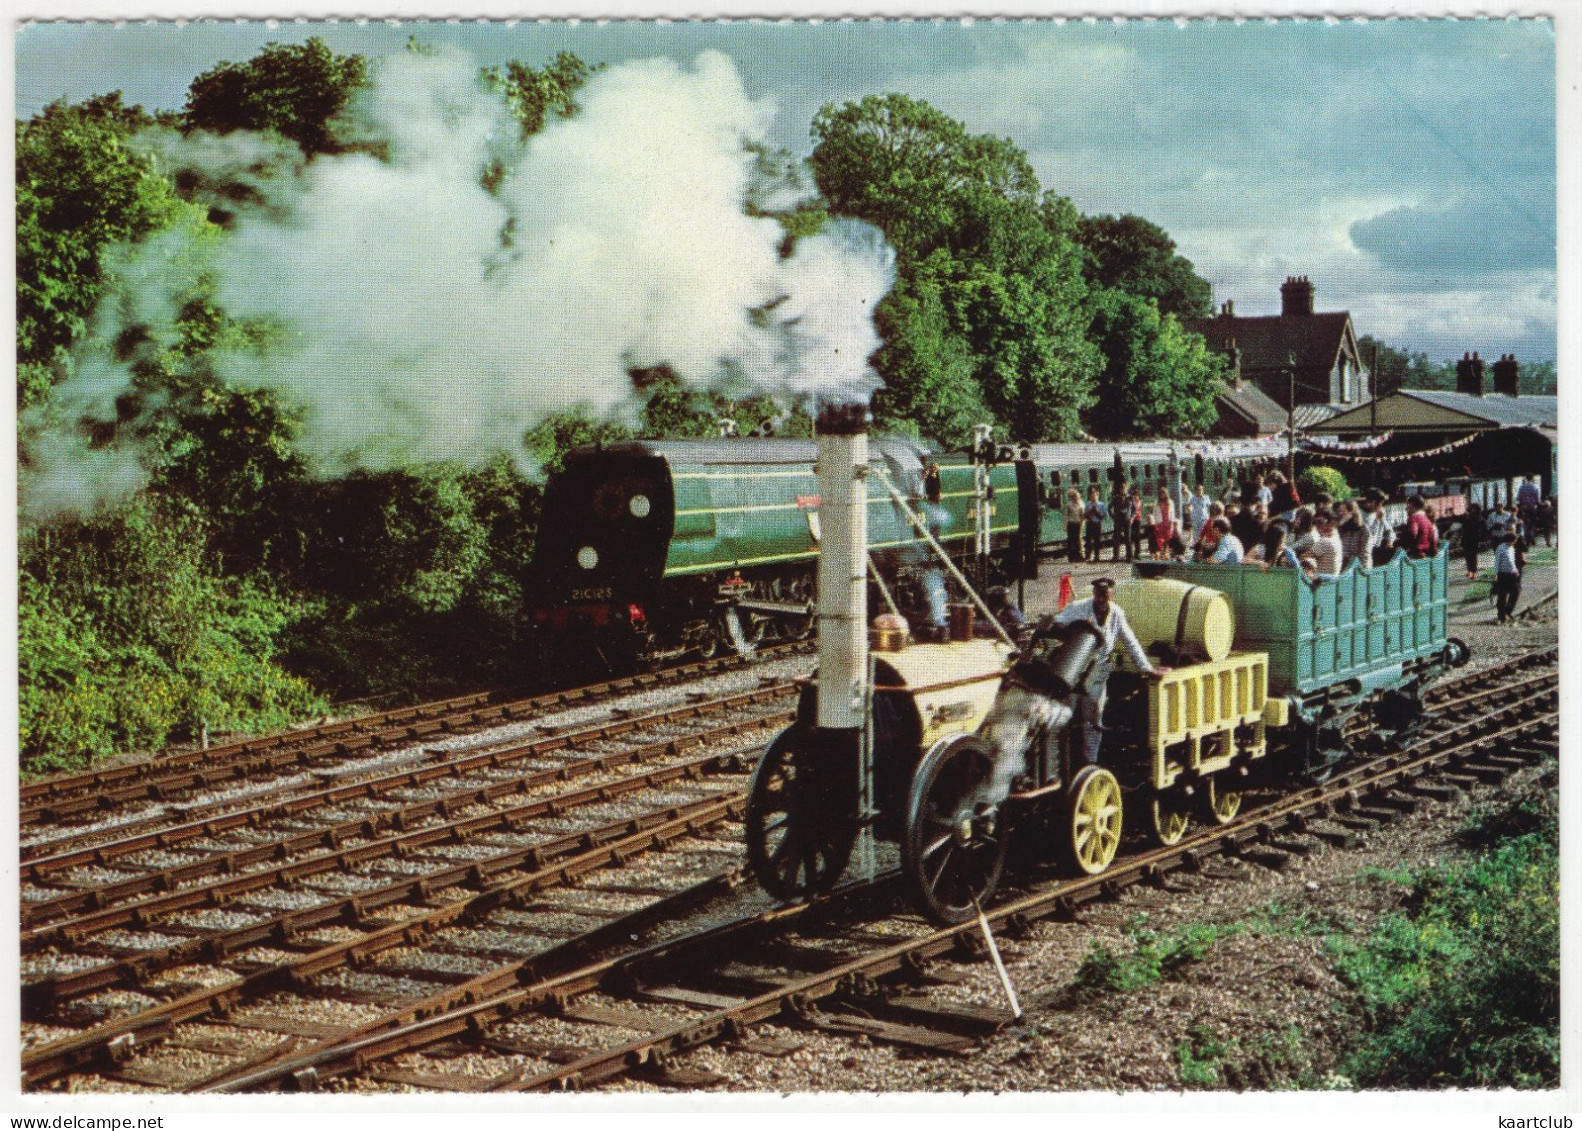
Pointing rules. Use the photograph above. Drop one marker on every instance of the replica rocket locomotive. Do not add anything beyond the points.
(947, 749)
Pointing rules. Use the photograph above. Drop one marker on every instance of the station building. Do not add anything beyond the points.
(1295, 356)
(1493, 433)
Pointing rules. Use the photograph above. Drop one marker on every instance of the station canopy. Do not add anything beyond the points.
(1432, 410)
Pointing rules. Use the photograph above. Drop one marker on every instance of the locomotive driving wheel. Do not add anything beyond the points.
(1095, 824)
(954, 849)
(796, 845)
(1171, 818)
(1221, 804)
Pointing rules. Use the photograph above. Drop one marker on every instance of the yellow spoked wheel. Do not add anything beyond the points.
(1095, 808)
(1222, 804)
(1171, 819)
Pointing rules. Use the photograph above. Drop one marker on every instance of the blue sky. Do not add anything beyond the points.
(1407, 168)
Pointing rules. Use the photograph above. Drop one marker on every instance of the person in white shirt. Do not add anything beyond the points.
(1110, 619)
(1381, 535)
(1197, 511)
(1507, 579)
(1227, 548)
(1323, 544)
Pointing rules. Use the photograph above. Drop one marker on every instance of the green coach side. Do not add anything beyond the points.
(735, 516)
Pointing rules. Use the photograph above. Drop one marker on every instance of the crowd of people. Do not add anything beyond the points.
(1267, 524)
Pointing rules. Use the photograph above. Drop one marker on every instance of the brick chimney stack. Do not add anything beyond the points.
(1296, 297)
(1507, 376)
(1469, 374)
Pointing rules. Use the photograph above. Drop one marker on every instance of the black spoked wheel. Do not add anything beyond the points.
(798, 842)
(954, 849)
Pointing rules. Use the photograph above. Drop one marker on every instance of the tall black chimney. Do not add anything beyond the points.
(1469, 375)
(1507, 376)
(1296, 297)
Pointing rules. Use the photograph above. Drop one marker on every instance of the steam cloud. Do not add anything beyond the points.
(424, 316)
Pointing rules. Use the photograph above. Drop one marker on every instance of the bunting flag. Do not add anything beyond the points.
(1336, 444)
(1405, 456)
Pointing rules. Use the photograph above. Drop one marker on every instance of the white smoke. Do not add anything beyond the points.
(422, 316)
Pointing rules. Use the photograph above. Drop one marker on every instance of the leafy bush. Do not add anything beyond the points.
(1463, 988)
(128, 639)
(1311, 481)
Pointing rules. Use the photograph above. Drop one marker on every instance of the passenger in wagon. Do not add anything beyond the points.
(1218, 545)
(1323, 543)
(1355, 542)
(1380, 532)
(1422, 536)
(1273, 551)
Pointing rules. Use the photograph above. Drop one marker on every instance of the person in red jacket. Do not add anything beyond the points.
(1422, 536)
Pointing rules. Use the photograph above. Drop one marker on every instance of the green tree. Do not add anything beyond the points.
(293, 89)
(81, 190)
(929, 371)
(1139, 257)
(536, 93)
(232, 459)
(1159, 379)
(1389, 366)
(988, 262)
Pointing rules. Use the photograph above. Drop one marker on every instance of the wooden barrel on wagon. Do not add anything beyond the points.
(1194, 621)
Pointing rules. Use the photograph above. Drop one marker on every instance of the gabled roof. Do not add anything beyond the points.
(1508, 412)
(1309, 415)
(1253, 405)
(1432, 410)
(1266, 342)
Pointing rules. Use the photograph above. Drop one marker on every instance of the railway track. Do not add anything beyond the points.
(531, 958)
(327, 748)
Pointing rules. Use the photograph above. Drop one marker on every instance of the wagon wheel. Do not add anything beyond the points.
(954, 848)
(795, 845)
(1095, 819)
(1220, 805)
(1171, 818)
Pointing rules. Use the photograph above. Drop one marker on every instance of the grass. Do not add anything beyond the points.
(1480, 589)
(1477, 591)
(1277, 1061)
(1458, 988)
(1156, 957)
(1462, 986)
(1153, 958)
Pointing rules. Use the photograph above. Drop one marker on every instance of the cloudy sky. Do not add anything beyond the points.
(1407, 168)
